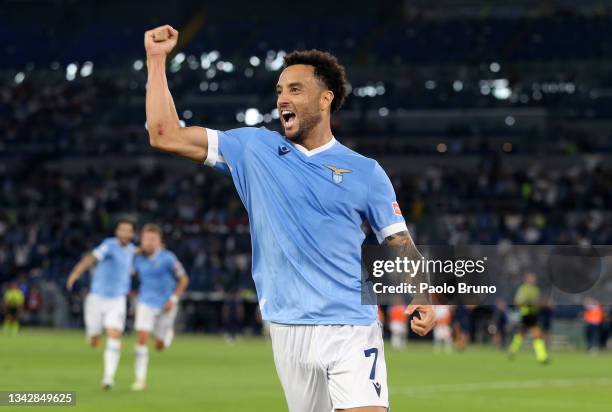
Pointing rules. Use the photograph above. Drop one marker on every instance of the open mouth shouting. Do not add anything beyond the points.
(289, 119)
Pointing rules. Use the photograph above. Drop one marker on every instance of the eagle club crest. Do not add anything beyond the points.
(337, 173)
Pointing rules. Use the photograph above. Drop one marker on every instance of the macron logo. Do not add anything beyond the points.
(377, 387)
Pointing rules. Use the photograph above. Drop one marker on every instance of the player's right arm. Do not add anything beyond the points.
(165, 131)
(84, 264)
(88, 261)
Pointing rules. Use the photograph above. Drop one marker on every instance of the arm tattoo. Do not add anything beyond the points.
(404, 243)
(405, 248)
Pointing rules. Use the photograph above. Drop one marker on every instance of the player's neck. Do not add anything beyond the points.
(154, 252)
(318, 136)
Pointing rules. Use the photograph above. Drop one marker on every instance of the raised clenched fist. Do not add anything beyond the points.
(161, 40)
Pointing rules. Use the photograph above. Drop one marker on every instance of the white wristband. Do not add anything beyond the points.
(174, 298)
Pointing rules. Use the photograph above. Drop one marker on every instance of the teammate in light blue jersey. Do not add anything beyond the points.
(105, 305)
(162, 282)
(307, 196)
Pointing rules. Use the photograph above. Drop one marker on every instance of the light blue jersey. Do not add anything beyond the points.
(305, 212)
(111, 276)
(158, 274)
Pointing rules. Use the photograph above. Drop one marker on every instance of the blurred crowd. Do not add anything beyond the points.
(49, 218)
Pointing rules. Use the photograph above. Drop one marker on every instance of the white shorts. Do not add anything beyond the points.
(327, 367)
(442, 332)
(154, 320)
(398, 328)
(104, 313)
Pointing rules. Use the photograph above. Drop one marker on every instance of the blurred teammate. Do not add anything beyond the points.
(307, 196)
(398, 325)
(105, 305)
(162, 282)
(527, 299)
(13, 302)
(442, 332)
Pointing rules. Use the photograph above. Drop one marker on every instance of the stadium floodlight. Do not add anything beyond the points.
(383, 112)
(87, 69)
(502, 93)
(214, 55)
(494, 67)
(192, 61)
(19, 77)
(457, 85)
(187, 114)
(252, 116)
(138, 65)
(204, 61)
(254, 60)
(275, 61)
(179, 58)
(71, 71)
(510, 121)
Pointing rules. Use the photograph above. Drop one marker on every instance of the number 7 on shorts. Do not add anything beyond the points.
(368, 353)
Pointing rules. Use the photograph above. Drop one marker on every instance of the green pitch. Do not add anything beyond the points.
(205, 374)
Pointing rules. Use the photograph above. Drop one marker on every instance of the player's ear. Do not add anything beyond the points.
(326, 99)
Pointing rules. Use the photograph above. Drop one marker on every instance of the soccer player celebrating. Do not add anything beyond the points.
(527, 299)
(307, 196)
(105, 305)
(162, 282)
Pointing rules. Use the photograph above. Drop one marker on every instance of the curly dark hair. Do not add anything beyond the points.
(326, 68)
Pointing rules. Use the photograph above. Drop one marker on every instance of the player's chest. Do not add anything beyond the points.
(151, 267)
(325, 184)
(122, 257)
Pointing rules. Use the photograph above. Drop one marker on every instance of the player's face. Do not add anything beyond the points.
(150, 242)
(125, 233)
(298, 101)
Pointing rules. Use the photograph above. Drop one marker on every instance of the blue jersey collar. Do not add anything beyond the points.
(316, 150)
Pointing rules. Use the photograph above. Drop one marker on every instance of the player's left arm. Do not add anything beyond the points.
(385, 217)
(182, 283)
(421, 303)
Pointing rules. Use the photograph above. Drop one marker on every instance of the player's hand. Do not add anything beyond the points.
(427, 319)
(169, 306)
(161, 40)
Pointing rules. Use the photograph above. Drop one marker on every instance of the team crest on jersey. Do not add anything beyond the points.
(337, 173)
